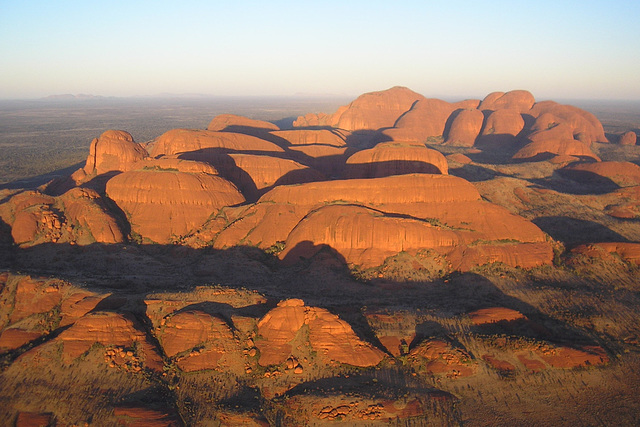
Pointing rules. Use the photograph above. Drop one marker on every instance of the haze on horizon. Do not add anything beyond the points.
(556, 50)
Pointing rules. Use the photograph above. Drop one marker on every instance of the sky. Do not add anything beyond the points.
(448, 49)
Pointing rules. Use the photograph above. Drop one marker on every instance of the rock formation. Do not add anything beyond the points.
(370, 111)
(162, 206)
(623, 174)
(519, 100)
(628, 138)
(465, 128)
(387, 159)
(330, 336)
(239, 124)
(113, 151)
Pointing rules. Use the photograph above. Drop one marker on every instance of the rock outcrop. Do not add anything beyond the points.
(519, 100)
(465, 128)
(330, 336)
(628, 138)
(370, 111)
(199, 145)
(78, 216)
(623, 174)
(240, 124)
(162, 206)
(501, 128)
(113, 151)
(392, 158)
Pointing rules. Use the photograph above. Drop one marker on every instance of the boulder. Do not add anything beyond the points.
(394, 158)
(465, 128)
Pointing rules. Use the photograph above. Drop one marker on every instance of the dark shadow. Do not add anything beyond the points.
(558, 182)
(285, 123)
(573, 231)
(596, 184)
(36, 181)
(474, 173)
(389, 168)
(447, 126)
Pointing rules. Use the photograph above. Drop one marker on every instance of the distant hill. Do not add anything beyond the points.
(69, 96)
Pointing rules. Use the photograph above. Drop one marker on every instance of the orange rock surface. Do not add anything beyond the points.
(628, 138)
(174, 164)
(34, 419)
(13, 338)
(164, 205)
(109, 329)
(114, 150)
(143, 417)
(363, 236)
(392, 158)
(494, 314)
(333, 138)
(629, 252)
(519, 100)
(459, 158)
(188, 329)
(201, 144)
(388, 190)
(332, 337)
(240, 124)
(79, 216)
(501, 127)
(34, 296)
(625, 174)
(562, 147)
(465, 128)
(89, 217)
(427, 118)
(254, 174)
(370, 111)
(278, 328)
(567, 357)
(585, 126)
(442, 358)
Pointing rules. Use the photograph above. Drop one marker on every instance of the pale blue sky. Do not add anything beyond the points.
(456, 49)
